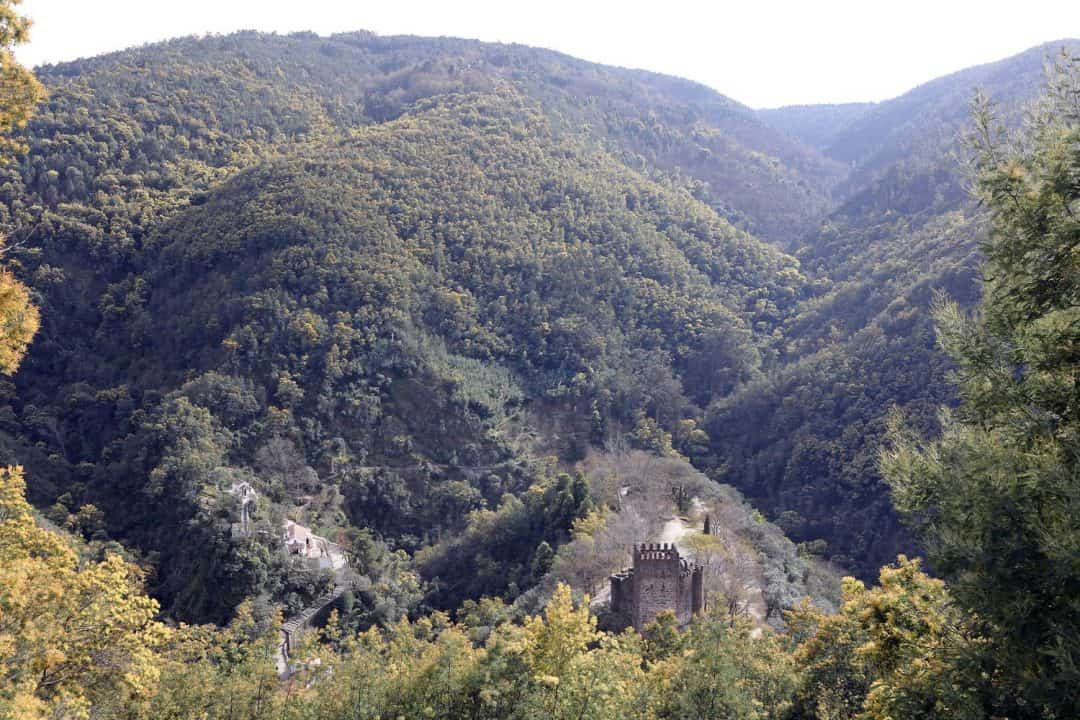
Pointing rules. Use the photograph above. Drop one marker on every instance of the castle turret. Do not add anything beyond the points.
(659, 580)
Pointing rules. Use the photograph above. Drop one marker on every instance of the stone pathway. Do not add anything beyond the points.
(345, 580)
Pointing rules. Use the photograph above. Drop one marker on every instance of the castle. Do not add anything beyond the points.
(659, 580)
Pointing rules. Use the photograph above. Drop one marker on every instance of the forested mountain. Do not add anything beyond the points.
(247, 85)
(272, 257)
(415, 339)
(253, 265)
(803, 442)
(815, 125)
(920, 128)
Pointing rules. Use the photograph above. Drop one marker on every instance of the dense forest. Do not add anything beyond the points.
(297, 322)
(803, 441)
(483, 317)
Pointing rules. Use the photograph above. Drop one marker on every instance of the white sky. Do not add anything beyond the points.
(761, 52)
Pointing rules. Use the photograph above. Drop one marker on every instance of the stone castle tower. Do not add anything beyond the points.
(659, 580)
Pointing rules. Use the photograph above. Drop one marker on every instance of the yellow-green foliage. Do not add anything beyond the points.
(19, 89)
(73, 637)
(81, 642)
(18, 322)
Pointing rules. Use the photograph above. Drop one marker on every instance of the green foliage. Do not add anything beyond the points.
(902, 649)
(77, 639)
(351, 265)
(726, 673)
(994, 498)
(505, 550)
(377, 278)
(554, 665)
(20, 91)
(803, 442)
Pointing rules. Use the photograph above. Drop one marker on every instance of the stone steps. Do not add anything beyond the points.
(297, 622)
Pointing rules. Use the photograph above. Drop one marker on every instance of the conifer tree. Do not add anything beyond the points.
(997, 498)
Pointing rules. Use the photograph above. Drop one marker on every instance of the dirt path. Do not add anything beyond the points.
(675, 529)
(672, 531)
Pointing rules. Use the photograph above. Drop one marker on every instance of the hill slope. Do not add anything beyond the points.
(804, 442)
(815, 125)
(287, 85)
(386, 278)
(351, 313)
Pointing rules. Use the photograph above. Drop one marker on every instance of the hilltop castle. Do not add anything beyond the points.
(659, 580)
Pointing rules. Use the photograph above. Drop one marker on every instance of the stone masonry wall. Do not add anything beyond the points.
(659, 580)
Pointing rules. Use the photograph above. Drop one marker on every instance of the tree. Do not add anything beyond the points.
(732, 572)
(19, 93)
(542, 560)
(835, 678)
(18, 321)
(917, 647)
(725, 672)
(996, 499)
(282, 463)
(577, 672)
(662, 637)
(71, 637)
(900, 650)
(19, 89)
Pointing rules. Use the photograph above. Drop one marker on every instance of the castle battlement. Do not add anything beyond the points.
(659, 580)
(652, 552)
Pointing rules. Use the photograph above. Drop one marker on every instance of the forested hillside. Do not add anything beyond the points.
(253, 88)
(815, 125)
(340, 233)
(249, 273)
(415, 340)
(803, 442)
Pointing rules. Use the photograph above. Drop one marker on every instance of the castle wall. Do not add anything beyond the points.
(622, 592)
(659, 580)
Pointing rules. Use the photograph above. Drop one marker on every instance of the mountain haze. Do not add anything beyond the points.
(815, 125)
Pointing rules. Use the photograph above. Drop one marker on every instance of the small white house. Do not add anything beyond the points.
(318, 552)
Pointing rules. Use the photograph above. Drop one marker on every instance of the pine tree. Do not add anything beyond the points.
(997, 498)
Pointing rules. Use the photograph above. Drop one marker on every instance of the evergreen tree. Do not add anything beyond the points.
(997, 498)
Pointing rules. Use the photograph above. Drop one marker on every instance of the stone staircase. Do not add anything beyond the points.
(292, 627)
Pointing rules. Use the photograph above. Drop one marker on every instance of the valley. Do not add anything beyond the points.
(414, 339)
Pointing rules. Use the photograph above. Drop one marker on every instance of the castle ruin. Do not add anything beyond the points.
(659, 580)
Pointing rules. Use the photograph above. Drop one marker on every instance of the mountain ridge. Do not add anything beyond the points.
(385, 277)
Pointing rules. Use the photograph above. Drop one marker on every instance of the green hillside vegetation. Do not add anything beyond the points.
(802, 443)
(815, 125)
(276, 300)
(225, 97)
(484, 317)
(338, 234)
(921, 127)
